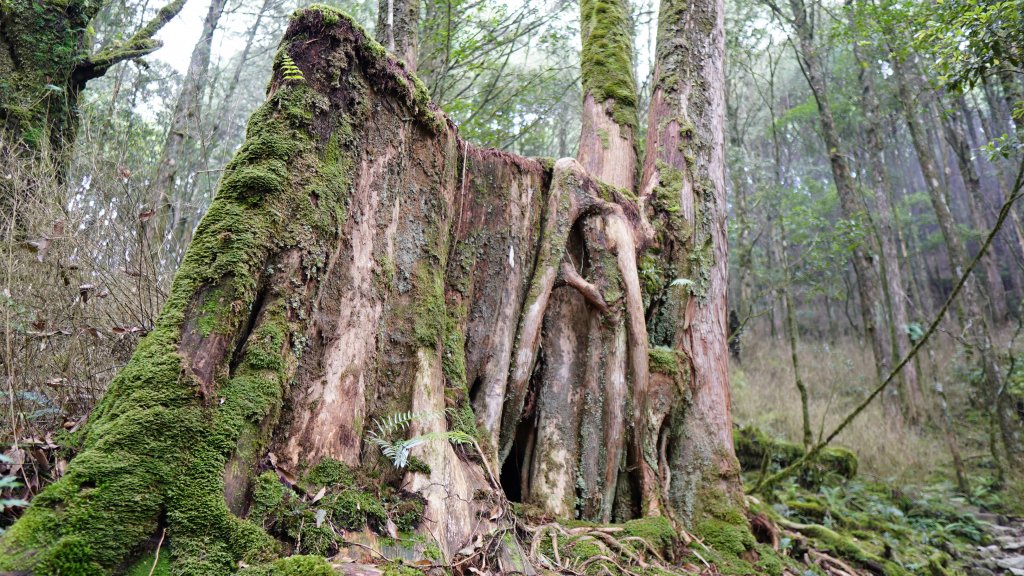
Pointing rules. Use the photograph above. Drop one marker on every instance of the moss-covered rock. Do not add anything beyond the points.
(753, 447)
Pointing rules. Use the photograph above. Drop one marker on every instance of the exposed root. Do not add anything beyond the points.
(570, 276)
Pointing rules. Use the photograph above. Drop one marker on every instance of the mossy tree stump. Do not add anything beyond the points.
(360, 261)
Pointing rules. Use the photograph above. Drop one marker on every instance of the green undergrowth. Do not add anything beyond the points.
(331, 499)
(876, 526)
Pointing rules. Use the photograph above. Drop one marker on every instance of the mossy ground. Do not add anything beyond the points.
(312, 516)
(875, 526)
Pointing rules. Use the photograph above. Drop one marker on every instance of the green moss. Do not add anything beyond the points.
(330, 472)
(155, 447)
(429, 317)
(317, 540)
(144, 565)
(397, 568)
(848, 549)
(70, 557)
(753, 446)
(813, 511)
(353, 509)
(839, 460)
(268, 492)
(433, 552)
(584, 548)
(453, 359)
(657, 530)
(417, 466)
(606, 60)
(265, 347)
(293, 566)
(769, 562)
(408, 513)
(663, 360)
(725, 537)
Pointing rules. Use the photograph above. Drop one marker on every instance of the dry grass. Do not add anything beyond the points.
(76, 291)
(838, 376)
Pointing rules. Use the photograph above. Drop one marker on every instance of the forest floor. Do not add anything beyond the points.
(903, 503)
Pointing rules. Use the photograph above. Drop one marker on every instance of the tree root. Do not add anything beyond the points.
(571, 277)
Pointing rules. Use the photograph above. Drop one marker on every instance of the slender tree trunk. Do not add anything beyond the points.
(791, 328)
(893, 276)
(775, 298)
(397, 23)
(974, 319)
(741, 185)
(868, 278)
(176, 161)
(1014, 97)
(952, 123)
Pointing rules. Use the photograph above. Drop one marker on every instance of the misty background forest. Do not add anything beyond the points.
(839, 392)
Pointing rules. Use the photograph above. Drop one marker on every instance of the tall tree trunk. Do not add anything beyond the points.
(869, 286)
(778, 311)
(953, 126)
(361, 270)
(397, 25)
(741, 185)
(974, 318)
(182, 133)
(609, 124)
(607, 151)
(892, 275)
(683, 181)
(794, 339)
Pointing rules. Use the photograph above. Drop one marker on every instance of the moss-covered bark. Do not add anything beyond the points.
(607, 58)
(682, 185)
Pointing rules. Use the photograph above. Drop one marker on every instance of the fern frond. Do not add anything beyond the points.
(397, 451)
(289, 70)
